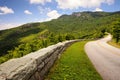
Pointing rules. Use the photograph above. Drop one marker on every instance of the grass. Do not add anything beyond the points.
(28, 38)
(113, 43)
(32, 36)
(73, 65)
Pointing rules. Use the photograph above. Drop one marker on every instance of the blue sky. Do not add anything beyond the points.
(17, 12)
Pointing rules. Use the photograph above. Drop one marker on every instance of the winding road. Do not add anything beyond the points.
(105, 58)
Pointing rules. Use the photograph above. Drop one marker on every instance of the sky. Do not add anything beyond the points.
(17, 12)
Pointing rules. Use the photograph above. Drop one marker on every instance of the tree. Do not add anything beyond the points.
(69, 37)
(116, 31)
(60, 38)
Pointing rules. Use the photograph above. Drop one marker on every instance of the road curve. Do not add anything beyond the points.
(105, 58)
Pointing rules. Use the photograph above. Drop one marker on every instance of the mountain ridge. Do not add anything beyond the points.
(78, 25)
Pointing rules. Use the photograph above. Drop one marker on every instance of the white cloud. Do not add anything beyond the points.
(109, 2)
(27, 12)
(53, 14)
(43, 10)
(74, 4)
(4, 26)
(68, 4)
(98, 10)
(39, 1)
(5, 10)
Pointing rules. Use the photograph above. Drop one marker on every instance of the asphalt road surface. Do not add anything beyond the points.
(105, 58)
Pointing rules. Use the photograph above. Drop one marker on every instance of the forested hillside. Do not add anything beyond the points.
(30, 37)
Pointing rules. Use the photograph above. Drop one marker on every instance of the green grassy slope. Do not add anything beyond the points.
(10, 38)
(73, 65)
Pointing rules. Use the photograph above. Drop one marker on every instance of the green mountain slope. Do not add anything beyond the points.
(75, 26)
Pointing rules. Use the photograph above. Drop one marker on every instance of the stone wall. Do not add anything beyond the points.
(34, 65)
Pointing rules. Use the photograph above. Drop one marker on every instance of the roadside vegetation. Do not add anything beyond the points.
(34, 44)
(113, 43)
(73, 64)
(116, 31)
(116, 34)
